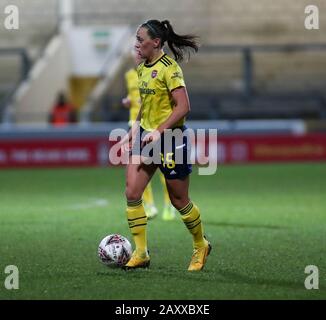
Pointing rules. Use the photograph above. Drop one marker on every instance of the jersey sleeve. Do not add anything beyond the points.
(174, 77)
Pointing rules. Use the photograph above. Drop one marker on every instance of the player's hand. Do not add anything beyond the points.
(151, 137)
(126, 102)
(125, 145)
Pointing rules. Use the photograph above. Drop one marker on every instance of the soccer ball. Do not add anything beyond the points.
(114, 250)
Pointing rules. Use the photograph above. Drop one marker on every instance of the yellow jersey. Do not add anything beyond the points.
(156, 81)
(131, 77)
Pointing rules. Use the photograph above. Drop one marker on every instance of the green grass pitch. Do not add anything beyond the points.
(266, 224)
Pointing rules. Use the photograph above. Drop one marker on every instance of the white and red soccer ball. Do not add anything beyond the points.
(114, 250)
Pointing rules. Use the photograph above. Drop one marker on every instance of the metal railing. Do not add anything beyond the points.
(287, 103)
(247, 52)
(214, 101)
(25, 65)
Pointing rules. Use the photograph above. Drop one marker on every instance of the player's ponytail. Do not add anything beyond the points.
(178, 44)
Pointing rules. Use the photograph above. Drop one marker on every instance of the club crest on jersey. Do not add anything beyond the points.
(154, 74)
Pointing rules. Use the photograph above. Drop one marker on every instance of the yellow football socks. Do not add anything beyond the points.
(137, 221)
(191, 217)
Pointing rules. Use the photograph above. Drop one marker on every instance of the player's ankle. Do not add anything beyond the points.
(200, 243)
(142, 252)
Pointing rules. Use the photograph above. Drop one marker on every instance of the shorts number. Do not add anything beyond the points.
(168, 161)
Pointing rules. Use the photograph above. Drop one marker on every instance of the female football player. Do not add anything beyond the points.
(132, 102)
(164, 105)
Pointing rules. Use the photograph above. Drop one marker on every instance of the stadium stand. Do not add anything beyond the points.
(265, 64)
(220, 91)
(19, 49)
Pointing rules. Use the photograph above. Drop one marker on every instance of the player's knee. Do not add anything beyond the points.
(179, 202)
(132, 194)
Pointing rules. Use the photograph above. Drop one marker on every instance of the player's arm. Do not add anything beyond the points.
(174, 81)
(180, 110)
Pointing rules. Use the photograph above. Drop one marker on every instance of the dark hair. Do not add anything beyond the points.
(61, 99)
(178, 44)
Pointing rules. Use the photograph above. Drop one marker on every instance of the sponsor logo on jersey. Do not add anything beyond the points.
(176, 75)
(146, 91)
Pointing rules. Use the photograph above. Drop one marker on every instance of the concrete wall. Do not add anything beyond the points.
(34, 99)
(220, 22)
(215, 21)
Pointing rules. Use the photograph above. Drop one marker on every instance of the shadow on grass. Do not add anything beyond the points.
(230, 277)
(244, 279)
(206, 278)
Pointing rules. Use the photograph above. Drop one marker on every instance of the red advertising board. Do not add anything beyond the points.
(222, 149)
(53, 153)
(272, 148)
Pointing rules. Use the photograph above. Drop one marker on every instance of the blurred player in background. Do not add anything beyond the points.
(133, 103)
(164, 105)
(62, 113)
